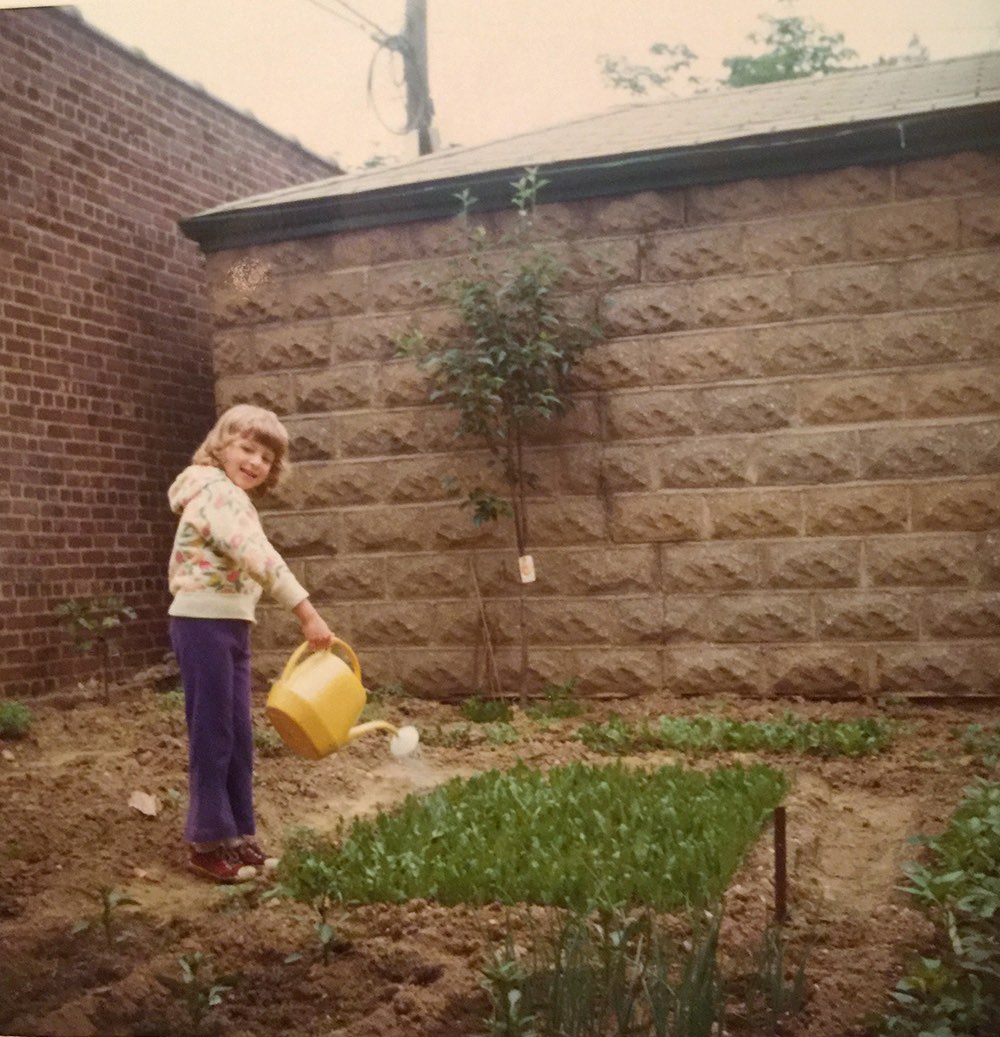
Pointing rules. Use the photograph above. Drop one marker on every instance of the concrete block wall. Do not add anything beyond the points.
(781, 479)
(105, 357)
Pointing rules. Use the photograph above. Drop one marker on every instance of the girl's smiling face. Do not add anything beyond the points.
(246, 462)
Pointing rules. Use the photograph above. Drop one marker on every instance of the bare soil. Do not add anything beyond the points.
(67, 829)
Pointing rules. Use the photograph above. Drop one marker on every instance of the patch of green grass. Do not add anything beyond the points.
(702, 734)
(15, 719)
(573, 836)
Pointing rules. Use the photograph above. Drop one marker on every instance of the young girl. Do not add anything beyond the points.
(220, 563)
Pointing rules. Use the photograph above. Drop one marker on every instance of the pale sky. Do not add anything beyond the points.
(497, 67)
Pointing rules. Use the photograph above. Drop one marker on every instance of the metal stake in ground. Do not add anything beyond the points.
(780, 867)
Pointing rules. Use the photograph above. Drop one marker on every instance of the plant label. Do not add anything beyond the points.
(526, 565)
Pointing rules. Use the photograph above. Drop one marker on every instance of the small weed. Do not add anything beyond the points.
(197, 990)
(449, 736)
(486, 711)
(983, 742)
(15, 719)
(267, 742)
(389, 692)
(110, 900)
(96, 623)
(558, 701)
(242, 896)
(171, 701)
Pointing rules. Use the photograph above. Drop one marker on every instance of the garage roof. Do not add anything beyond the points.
(878, 114)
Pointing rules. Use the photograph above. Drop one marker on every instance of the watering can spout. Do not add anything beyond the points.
(404, 739)
(372, 725)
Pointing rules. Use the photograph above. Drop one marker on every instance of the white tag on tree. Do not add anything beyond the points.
(527, 566)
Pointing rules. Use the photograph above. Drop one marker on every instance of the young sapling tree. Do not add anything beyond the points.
(95, 623)
(506, 368)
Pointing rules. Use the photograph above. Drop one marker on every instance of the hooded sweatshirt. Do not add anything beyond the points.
(221, 559)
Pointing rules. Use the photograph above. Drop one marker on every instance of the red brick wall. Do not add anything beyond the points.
(105, 363)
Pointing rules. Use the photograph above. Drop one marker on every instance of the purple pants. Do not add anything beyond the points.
(214, 658)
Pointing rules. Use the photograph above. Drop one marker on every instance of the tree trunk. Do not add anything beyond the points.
(522, 679)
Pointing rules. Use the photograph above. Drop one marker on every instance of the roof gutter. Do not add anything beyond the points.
(909, 137)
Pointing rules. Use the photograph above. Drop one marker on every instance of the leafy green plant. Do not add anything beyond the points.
(982, 741)
(15, 719)
(955, 989)
(110, 901)
(666, 838)
(501, 734)
(198, 989)
(95, 623)
(713, 734)
(505, 369)
(485, 711)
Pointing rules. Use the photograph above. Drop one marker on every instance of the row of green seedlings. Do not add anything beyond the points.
(614, 973)
(702, 734)
(699, 734)
(954, 987)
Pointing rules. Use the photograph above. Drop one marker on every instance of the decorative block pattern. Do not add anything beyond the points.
(780, 478)
(713, 670)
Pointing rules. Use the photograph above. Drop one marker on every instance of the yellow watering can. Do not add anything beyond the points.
(314, 704)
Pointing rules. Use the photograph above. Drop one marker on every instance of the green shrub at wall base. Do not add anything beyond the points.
(15, 719)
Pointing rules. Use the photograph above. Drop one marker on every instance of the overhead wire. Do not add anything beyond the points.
(367, 23)
(394, 43)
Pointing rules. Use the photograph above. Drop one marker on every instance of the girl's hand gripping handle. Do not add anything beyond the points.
(314, 628)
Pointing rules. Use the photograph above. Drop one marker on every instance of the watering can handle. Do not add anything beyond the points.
(347, 649)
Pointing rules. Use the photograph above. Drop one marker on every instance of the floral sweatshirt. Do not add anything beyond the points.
(221, 559)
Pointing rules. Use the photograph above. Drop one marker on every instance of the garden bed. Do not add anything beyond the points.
(415, 968)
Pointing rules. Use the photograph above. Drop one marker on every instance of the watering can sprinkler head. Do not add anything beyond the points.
(315, 702)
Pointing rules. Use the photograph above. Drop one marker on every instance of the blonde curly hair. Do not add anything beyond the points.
(258, 424)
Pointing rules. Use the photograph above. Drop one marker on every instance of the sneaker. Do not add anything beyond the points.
(249, 852)
(221, 865)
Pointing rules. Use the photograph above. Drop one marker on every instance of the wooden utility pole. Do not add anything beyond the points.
(419, 107)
